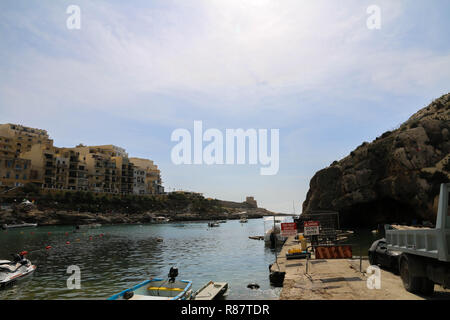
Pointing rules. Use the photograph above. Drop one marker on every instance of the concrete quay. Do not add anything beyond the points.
(337, 279)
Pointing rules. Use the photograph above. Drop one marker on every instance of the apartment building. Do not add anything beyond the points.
(14, 172)
(43, 165)
(14, 140)
(102, 173)
(27, 155)
(22, 138)
(126, 174)
(71, 170)
(139, 184)
(152, 179)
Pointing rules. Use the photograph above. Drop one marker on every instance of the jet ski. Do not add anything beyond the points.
(17, 269)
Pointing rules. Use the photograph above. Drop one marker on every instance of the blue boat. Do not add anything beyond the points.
(158, 289)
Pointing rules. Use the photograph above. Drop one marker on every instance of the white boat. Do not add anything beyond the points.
(213, 224)
(211, 291)
(161, 220)
(15, 270)
(158, 289)
(272, 227)
(88, 226)
(243, 219)
(20, 225)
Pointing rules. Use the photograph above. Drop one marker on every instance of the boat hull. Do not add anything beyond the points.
(23, 225)
(157, 289)
(8, 279)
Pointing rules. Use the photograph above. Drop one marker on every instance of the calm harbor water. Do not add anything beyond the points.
(128, 254)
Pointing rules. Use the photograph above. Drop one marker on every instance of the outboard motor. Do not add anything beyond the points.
(173, 273)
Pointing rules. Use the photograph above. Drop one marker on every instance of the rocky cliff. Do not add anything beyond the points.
(395, 178)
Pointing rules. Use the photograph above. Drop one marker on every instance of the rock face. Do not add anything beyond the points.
(395, 178)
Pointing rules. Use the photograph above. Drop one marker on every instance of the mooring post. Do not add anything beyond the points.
(360, 259)
(307, 260)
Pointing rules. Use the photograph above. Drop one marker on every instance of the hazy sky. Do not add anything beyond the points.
(137, 70)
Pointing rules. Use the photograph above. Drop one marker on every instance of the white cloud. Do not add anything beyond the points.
(238, 63)
(224, 52)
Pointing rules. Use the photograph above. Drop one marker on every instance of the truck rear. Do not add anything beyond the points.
(425, 258)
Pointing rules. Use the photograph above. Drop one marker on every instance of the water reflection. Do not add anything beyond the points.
(112, 258)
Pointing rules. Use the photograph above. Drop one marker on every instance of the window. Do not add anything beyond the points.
(24, 177)
(17, 177)
(7, 175)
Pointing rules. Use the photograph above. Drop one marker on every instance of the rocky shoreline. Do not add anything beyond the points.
(49, 217)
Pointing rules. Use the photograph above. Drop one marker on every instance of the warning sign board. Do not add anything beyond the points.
(311, 228)
(334, 252)
(288, 229)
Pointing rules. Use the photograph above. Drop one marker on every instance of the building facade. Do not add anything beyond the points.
(152, 178)
(27, 155)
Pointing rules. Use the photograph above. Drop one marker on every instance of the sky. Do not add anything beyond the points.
(135, 71)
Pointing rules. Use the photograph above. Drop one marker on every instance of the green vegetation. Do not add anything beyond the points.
(105, 203)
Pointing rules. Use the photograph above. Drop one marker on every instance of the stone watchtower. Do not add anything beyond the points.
(252, 202)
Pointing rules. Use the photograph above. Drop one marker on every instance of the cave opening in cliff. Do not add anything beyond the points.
(378, 212)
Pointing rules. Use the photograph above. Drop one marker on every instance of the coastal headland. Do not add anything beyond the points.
(52, 207)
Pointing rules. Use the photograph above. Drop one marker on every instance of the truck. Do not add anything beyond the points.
(424, 253)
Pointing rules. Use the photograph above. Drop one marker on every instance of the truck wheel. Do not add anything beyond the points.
(427, 287)
(411, 284)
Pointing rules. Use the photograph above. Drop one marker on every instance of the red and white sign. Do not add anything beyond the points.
(311, 228)
(288, 229)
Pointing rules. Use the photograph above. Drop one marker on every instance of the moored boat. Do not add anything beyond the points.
(20, 225)
(211, 291)
(87, 226)
(158, 289)
(213, 224)
(15, 270)
(160, 220)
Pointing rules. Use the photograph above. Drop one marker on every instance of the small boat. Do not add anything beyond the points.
(88, 226)
(21, 225)
(243, 219)
(272, 233)
(222, 221)
(158, 289)
(161, 220)
(211, 291)
(256, 237)
(15, 270)
(213, 224)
